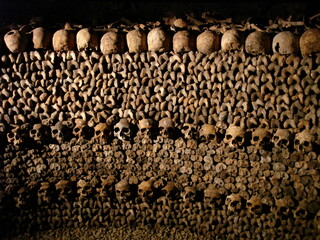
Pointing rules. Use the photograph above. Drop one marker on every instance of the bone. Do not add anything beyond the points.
(16, 41)
(64, 39)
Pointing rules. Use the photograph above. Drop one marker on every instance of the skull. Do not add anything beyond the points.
(101, 132)
(190, 131)
(106, 189)
(258, 43)
(235, 136)
(44, 193)
(158, 40)
(66, 189)
(212, 195)
(123, 191)
(234, 202)
(146, 128)
(64, 39)
(281, 138)
(17, 134)
(22, 198)
(79, 130)
(183, 41)
(208, 42)
(310, 42)
(16, 41)
(254, 205)
(41, 38)
(84, 189)
(112, 42)
(261, 138)
(207, 133)
(137, 41)
(87, 39)
(189, 194)
(302, 210)
(166, 127)
(284, 206)
(146, 191)
(170, 190)
(231, 40)
(58, 131)
(303, 141)
(123, 130)
(285, 43)
(38, 132)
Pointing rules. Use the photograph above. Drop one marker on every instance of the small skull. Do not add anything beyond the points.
(58, 131)
(166, 127)
(44, 193)
(84, 189)
(231, 40)
(258, 43)
(137, 41)
(235, 136)
(190, 131)
(146, 128)
(170, 190)
(212, 196)
(123, 130)
(285, 43)
(183, 41)
(87, 39)
(146, 191)
(65, 189)
(234, 202)
(112, 42)
(282, 138)
(208, 133)
(189, 194)
(123, 191)
(64, 39)
(79, 130)
(106, 188)
(41, 38)
(101, 132)
(310, 42)
(17, 134)
(16, 41)
(261, 138)
(158, 40)
(254, 205)
(303, 141)
(208, 42)
(38, 132)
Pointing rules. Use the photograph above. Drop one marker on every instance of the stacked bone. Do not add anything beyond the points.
(224, 142)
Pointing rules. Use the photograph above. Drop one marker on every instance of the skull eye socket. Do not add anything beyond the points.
(238, 139)
(10, 135)
(256, 138)
(249, 204)
(283, 142)
(76, 130)
(33, 131)
(117, 129)
(10, 33)
(276, 138)
(297, 142)
(301, 212)
(228, 137)
(306, 144)
(98, 132)
(185, 128)
(125, 130)
(234, 203)
(55, 131)
(211, 136)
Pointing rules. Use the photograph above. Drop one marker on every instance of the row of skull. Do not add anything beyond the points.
(159, 40)
(148, 192)
(125, 130)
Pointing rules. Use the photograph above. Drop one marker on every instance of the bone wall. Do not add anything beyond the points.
(251, 173)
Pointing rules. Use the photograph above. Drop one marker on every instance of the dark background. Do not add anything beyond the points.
(97, 12)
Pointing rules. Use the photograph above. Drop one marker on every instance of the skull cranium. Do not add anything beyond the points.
(234, 202)
(123, 130)
(303, 141)
(254, 205)
(261, 138)
(235, 136)
(166, 127)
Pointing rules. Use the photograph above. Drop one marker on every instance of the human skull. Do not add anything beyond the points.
(58, 131)
(303, 141)
(281, 138)
(23, 195)
(284, 206)
(302, 210)
(231, 40)
(310, 42)
(16, 41)
(254, 205)
(41, 38)
(44, 193)
(146, 191)
(65, 189)
(123, 130)
(235, 136)
(64, 39)
(285, 43)
(158, 40)
(183, 41)
(258, 43)
(146, 128)
(84, 189)
(261, 138)
(80, 128)
(106, 188)
(101, 132)
(166, 127)
(137, 41)
(190, 131)
(112, 42)
(212, 195)
(17, 134)
(170, 190)
(87, 39)
(208, 42)
(123, 191)
(38, 132)
(189, 194)
(234, 202)
(208, 133)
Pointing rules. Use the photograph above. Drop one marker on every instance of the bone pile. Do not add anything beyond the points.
(224, 143)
